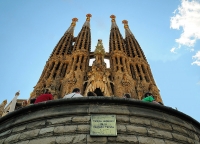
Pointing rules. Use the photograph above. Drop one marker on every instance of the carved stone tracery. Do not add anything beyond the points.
(98, 77)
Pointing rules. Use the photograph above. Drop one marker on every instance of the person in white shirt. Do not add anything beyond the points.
(75, 93)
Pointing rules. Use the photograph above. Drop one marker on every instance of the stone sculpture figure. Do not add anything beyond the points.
(98, 78)
(127, 84)
(70, 82)
(139, 88)
(72, 79)
(3, 104)
(125, 81)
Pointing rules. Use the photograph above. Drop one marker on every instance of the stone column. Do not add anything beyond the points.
(124, 64)
(59, 69)
(141, 71)
(47, 70)
(54, 68)
(147, 74)
(79, 62)
(74, 63)
(119, 64)
(136, 73)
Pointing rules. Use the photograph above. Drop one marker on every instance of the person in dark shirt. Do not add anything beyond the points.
(44, 97)
(91, 94)
(127, 95)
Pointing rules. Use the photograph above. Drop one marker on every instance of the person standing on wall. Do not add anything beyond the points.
(46, 96)
(75, 93)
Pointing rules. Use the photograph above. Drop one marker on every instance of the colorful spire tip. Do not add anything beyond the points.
(74, 20)
(113, 18)
(125, 22)
(88, 17)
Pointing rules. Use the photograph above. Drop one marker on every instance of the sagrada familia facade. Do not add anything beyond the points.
(68, 65)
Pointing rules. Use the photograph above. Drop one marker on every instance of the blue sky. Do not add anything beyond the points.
(168, 32)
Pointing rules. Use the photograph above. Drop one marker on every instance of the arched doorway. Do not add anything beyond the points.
(98, 92)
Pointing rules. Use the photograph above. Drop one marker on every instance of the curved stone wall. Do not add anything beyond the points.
(68, 121)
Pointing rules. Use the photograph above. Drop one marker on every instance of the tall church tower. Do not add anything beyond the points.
(80, 59)
(138, 66)
(68, 65)
(57, 66)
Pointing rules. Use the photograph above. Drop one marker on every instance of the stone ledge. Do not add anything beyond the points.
(56, 119)
(100, 100)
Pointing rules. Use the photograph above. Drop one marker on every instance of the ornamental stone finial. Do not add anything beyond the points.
(17, 93)
(113, 18)
(125, 22)
(2, 105)
(88, 17)
(99, 48)
(74, 20)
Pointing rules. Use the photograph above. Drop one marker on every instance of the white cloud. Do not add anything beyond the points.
(187, 18)
(192, 49)
(173, 50)
(197, 59)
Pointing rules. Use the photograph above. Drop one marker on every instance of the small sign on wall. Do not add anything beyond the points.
(103, 125)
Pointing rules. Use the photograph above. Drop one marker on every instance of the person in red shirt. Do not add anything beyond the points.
(44, 97)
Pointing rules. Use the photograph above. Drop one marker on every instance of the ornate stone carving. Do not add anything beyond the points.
(125, 81)
(3, 104)
(140, 88)
(72, 79)
(70, 60)
(70, 82)
(98, 77)
(128, 85)
(17, 93)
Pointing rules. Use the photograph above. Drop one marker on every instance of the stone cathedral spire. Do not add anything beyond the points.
(56, 67)
(83, 40)
(118, 61)
(138, 66)
(64, 46)
(80, 58)
(133, 48)
(116, 39)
